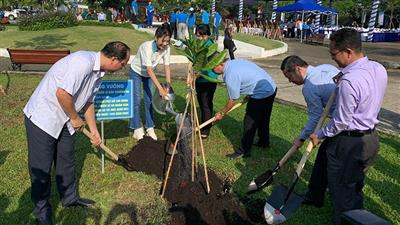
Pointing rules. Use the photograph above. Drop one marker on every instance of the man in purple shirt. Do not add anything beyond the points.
(351, 139)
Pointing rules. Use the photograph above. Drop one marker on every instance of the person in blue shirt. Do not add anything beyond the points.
(318, 86)
(205, 17)
(243, 77)
(216, 25)
(181, 21)
(191, 20)
(150, 14)
(172, 22)
(135, 11)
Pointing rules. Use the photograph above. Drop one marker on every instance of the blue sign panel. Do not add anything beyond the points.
(114, 100)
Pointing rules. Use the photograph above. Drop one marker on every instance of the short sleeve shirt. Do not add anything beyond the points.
(243, 77)
(149, 55)
(78, 74)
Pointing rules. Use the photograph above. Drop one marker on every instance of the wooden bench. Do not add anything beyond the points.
(35, 56)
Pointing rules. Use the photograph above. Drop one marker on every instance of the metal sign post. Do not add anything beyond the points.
(113, 101)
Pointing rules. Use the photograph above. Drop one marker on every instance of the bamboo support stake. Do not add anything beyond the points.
(193, 135)
(201, 147)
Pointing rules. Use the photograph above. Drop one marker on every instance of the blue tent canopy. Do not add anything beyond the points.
(306, 6)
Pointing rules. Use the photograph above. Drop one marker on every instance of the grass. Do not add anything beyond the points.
(132, 197)
(257, 40)
(74, 38)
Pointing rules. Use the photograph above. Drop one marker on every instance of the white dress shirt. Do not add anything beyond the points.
(78, 74)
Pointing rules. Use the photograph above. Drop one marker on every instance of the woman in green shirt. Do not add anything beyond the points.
(204, 88)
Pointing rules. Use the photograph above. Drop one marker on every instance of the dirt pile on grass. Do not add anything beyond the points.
(190, 204)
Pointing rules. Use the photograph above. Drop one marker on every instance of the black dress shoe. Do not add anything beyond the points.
(82, 202)
(44, 221)
(308, 201)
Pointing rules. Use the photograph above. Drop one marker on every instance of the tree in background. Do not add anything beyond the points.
(392, 6)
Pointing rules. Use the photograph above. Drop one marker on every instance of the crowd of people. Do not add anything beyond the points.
(349, 140)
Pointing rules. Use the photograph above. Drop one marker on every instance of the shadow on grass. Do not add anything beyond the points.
(120, 209)
(3, 156)
(47, 41)
(389, 172)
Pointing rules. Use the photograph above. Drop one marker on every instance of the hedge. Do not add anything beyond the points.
(47, 21)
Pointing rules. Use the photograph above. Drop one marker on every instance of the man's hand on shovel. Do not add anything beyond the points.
(95, 139)
(314, 139)
(77, 123)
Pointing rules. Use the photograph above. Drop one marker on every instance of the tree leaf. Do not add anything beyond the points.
(200, 61)
(218, 59)
(212, 49)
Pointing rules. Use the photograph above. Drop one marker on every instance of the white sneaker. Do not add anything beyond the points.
(138, 133)
(150, 133)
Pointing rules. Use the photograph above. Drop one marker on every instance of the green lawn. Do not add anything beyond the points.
(122, 195)
(268, 44)
(74, 38)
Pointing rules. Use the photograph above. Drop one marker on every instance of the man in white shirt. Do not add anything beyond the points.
(51, 119)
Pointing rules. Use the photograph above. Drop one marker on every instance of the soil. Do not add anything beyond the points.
(189, 202)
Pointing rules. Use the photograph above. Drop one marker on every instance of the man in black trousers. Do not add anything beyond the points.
(243, 77)
(51, 119)
(351, 141)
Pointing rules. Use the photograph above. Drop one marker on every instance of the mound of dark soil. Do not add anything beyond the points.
(190, 204)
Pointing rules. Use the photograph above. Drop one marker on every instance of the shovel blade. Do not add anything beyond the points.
(261, 181)
(277, 198)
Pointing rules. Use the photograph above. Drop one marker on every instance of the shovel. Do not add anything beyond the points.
(283, 202)
(266, 178)
(119, 159)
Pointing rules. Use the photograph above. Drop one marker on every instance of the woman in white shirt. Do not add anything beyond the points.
(149, 54)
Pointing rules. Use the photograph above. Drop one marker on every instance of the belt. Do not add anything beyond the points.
(356, 133)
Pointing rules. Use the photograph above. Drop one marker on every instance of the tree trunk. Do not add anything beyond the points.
(391, 25)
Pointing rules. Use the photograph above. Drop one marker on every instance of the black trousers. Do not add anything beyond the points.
(43, 150)
(205, 95)
(341, 164)
(174, 29)
(257, 118)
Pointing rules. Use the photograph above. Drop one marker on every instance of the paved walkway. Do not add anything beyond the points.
(386, 53)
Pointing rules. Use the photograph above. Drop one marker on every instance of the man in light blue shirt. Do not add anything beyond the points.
(318, 86)
(51, 119)
(243, 77)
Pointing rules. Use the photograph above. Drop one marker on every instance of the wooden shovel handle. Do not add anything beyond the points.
(289, 153)
(213, 119)
(102, 146)
(310, 145)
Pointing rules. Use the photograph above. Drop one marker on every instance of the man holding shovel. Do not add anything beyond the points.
(243, 77)
(318, 86)
(51, 119)
(351, 141)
